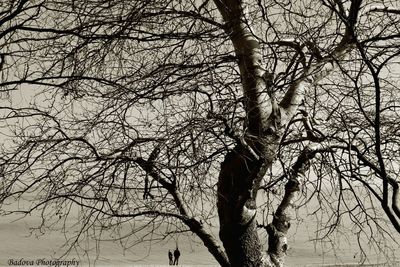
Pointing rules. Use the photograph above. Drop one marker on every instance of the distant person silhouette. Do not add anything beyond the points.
(171, 259)
(177, 254)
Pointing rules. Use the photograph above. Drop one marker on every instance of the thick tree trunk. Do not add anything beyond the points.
(242, 244)
(237, 224)
(241, 173)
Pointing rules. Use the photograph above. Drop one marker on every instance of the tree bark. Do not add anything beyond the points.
(238, 183)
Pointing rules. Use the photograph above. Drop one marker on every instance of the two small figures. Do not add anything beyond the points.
(174, 259)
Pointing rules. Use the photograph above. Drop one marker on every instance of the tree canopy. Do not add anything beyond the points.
(195, 112)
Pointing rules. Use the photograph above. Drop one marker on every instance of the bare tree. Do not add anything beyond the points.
(152, 111)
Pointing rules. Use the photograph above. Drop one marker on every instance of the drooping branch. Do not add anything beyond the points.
(392, 211)
(392, 215)
(194, 225)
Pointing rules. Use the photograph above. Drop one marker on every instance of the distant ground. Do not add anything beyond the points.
(16, 244)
